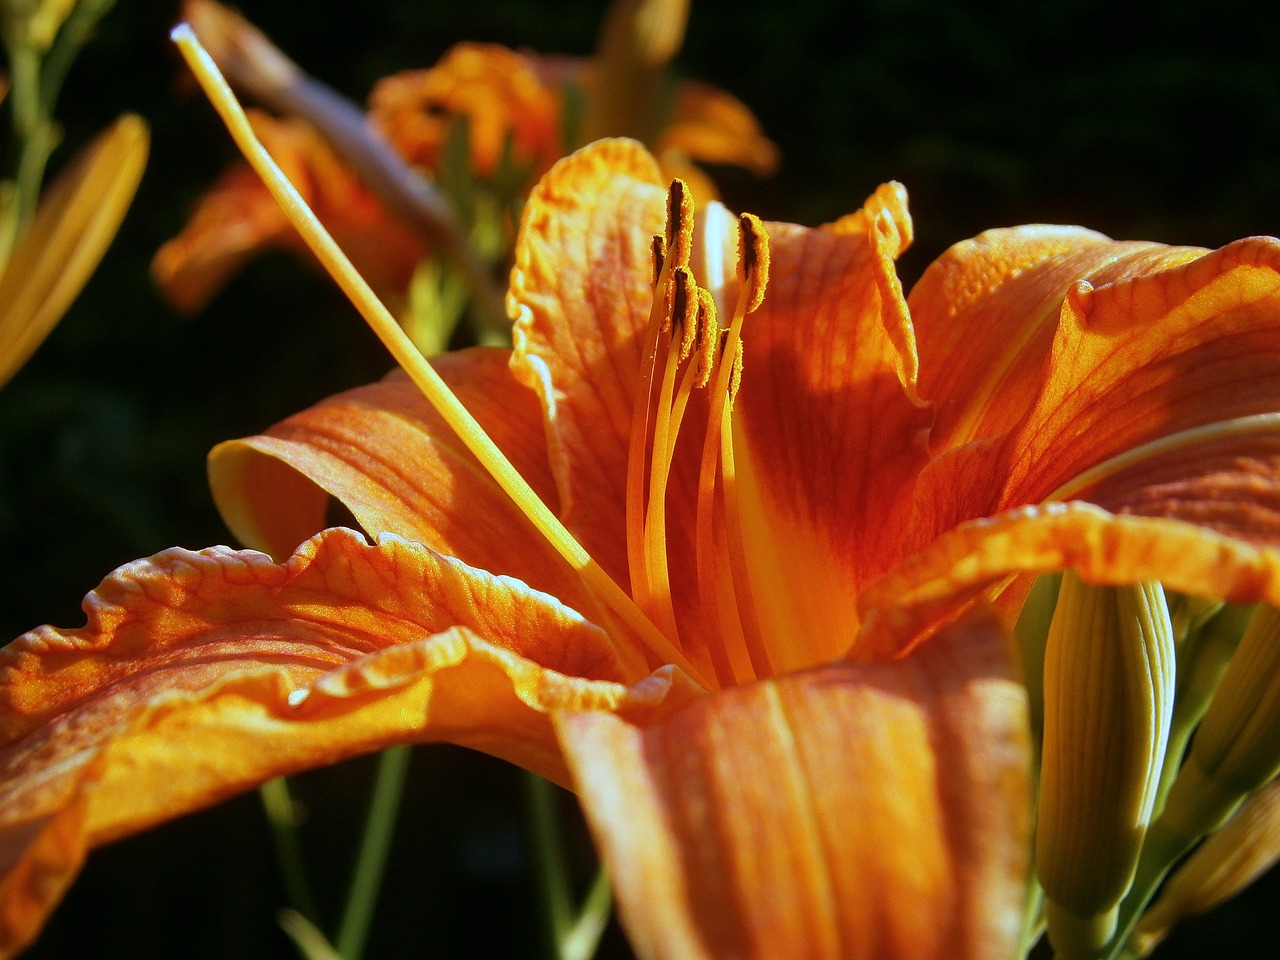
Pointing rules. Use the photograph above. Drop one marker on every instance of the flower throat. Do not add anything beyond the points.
(687, 349)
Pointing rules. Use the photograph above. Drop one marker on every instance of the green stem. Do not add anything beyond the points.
(584, 937)
(1162, 849)
(71, 38)
(571, 937)
(375, 846)
(283, 817)
(549, 861)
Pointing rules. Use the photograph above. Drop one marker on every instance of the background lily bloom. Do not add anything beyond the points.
(886, 456)
(516, 114)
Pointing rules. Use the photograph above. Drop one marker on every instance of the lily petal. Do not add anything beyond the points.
(581, 290)
(1174, 350)
(239, 219)
(761, 822)
(982, 556)
(713, 126)
(831, 427)
(1224, 477)
(986, 311)
(203, 674)
(499, 91)
(385, 454)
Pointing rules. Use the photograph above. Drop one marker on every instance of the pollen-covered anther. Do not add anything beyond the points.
(679, 222)
(684, 303)
(735, 377)
(753, 258)
(659, 256)
(708, 337)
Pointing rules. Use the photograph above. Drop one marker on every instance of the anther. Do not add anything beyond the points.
(735, 377)
(659, 256)
(709, 336)
(684, 302)
(680, 222)
(753, 258)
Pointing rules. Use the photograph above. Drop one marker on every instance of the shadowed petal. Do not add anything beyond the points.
(239, 219)
(388, 457)
(828, 421)
(203, 674)
(1104, 548)
(848, 811)
(1224, 477)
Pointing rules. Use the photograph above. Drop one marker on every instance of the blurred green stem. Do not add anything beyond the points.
(375, 846)
(571, 938)
(36, 82)
(282, 815)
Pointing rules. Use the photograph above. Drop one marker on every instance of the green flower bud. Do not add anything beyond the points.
(1108, 698)
(1237, 746)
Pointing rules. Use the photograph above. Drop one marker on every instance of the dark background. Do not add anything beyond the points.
(1161, 125)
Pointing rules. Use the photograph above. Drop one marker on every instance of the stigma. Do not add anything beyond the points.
(682, 422)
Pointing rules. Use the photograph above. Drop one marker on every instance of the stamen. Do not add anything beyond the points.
(659, 256)
(718, 444)
(684, 302)
(680, 222)
(753, 258)
(709, 333)
(423, 375)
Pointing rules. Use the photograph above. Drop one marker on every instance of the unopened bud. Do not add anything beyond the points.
(1108, 698)
(1237, 746)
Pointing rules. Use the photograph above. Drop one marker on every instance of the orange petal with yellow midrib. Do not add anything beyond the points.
(1131, 362)
(848, 811)
(986, 311)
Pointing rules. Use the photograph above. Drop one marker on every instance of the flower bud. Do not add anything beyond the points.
(1237, 746)
(1228, 861)
(1108, 699)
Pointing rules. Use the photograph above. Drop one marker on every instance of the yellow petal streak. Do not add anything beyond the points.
(844, 812)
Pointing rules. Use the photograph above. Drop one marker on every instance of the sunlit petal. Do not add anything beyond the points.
(986, 312)
(202, 674)
(389, 459)
(1130, 362)
(582, 289)
(983, 555)
(848, 811)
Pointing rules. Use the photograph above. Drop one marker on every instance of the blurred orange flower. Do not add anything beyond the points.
(800, 735)
(512, 101)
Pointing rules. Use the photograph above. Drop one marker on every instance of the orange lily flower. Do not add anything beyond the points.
(796, 734)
